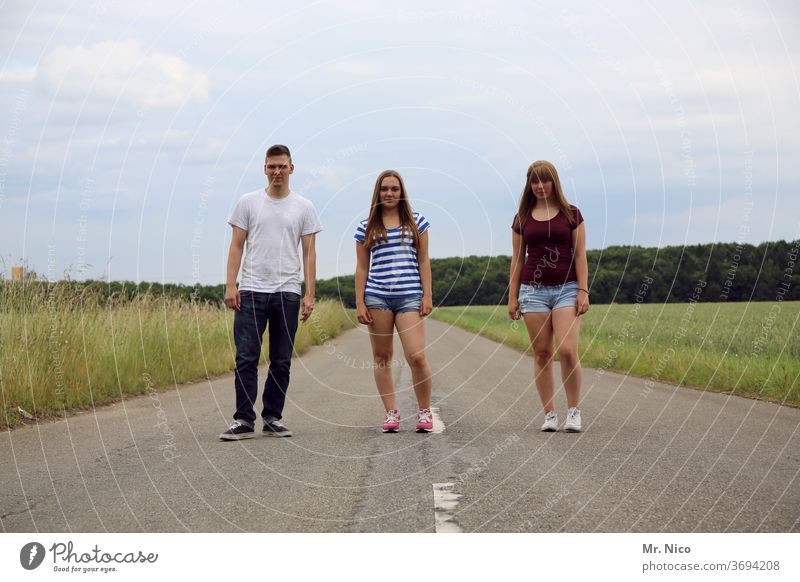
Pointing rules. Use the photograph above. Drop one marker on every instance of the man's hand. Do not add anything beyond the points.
(306, 307)
(232, 298)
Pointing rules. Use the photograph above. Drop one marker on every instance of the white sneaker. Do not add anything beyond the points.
(550, 422)
(573, 423)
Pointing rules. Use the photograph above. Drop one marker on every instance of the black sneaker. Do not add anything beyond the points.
(275, 428)
(237, 431)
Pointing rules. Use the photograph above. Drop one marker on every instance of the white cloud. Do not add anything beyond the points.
(121, 73)
(10, 75)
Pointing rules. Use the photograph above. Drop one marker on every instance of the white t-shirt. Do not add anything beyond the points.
(274, 227)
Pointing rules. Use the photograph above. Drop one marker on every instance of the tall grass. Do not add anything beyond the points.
(62, 350)
(750, 349)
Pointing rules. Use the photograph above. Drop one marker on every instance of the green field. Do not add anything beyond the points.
(750, 349)
(61, 350)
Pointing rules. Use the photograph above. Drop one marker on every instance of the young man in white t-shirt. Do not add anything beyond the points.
(273, 222)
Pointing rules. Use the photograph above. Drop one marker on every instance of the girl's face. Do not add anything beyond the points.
(390, 192)
(542, 190)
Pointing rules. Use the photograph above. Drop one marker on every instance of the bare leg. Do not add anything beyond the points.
(411, 328)
(566, 328)
(381, 335)
(540, 331)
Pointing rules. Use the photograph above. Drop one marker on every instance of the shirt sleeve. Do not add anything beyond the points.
(361, 231)
(240, 217)
(311, 222)
(578, 217)
(422, 224)
(515, 225)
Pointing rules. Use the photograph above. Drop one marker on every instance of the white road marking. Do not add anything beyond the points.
(438, 423)
(444, 506)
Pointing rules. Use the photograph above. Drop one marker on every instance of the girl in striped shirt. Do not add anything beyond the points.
(393, 290)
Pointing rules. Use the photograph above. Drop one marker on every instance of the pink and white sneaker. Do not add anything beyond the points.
(392, 421)
(425, 420)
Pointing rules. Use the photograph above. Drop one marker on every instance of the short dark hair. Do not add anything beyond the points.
(279, 150)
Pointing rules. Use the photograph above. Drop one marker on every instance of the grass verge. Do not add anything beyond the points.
(63, 351)
(748, 349)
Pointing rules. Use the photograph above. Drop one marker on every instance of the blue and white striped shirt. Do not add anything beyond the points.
(393, 265)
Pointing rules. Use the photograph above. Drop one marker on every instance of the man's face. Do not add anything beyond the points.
(278, 169)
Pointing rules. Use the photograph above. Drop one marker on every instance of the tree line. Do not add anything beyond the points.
(620, 274)
(627, 274)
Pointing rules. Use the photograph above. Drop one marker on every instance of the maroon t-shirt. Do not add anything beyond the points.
(548, 243)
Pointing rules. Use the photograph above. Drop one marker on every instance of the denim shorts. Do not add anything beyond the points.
(542, 299)
(394, 304)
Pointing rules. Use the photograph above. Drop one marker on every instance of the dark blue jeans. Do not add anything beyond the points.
(279, 311)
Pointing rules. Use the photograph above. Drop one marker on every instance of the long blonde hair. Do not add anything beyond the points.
(376, 231)
(541, 170)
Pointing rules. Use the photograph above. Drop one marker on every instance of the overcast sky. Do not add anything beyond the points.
(128, 130)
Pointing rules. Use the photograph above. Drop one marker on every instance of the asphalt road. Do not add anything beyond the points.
(665, 459)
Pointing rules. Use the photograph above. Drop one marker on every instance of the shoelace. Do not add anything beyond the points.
(573, 412)
(236, 424)
(550, 416)
(392, 416)
(425, 416)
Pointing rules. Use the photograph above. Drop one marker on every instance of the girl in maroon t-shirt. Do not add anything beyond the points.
(548, 286)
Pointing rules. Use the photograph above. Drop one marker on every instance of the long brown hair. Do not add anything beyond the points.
(541, 170)
(376, 231)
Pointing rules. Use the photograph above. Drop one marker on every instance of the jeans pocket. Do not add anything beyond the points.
(291, 297)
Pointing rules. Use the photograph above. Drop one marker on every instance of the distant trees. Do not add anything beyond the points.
(727, 271)
(723, 272)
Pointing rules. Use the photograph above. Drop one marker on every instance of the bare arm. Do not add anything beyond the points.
(515, 274)
(309, 244)
(581, 268)
(362, 269)
(232, 298)
(424, 261)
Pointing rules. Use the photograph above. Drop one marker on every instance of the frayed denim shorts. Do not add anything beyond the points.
(393, 304)
(544, 298)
